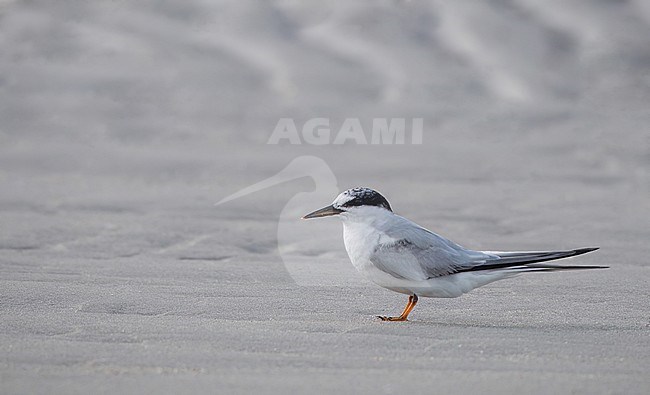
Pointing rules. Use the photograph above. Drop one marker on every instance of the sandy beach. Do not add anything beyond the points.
(124, 123)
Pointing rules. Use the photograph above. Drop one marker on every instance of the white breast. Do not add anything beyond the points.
(361, 237)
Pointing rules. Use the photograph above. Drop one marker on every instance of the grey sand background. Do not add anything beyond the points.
(123, 122)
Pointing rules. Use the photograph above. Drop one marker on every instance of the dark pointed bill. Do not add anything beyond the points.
(323, 212)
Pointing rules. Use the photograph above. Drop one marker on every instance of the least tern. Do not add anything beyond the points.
(404, 257)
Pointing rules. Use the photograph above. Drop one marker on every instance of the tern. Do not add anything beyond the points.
(398, 254)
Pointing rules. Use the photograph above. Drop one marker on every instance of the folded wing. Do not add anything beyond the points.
(418, 254)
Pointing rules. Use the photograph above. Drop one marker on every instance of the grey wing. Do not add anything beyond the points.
(418, 254)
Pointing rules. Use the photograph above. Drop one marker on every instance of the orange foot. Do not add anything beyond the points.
(413, 299)
(385, 318)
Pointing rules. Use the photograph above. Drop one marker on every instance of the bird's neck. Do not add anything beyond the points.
(367, 216)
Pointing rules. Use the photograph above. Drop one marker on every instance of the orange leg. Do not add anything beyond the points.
(413, 300)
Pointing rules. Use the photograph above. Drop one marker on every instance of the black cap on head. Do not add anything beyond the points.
(361, 197)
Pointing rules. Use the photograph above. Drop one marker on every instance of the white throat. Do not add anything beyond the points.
(371, 215)
(363, 231)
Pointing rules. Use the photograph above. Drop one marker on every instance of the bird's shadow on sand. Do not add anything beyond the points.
(415, 322)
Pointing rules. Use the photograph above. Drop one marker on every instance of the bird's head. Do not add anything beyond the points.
(352, 201)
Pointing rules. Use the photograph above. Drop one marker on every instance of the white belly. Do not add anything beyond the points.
(360, 241)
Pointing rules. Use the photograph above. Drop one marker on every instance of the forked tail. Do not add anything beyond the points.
(530, 261)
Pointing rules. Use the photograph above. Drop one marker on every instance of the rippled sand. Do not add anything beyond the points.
(123, 123)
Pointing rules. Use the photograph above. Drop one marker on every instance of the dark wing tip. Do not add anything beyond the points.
(557, 268)
(580, 251)
(561, 267)
(585, 267)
